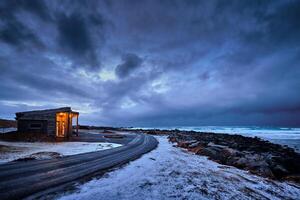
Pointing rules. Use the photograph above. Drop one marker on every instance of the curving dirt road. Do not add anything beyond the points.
(22, 179)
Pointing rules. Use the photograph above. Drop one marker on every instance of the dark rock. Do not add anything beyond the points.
(263, 170)
(279, 171)
(193, 145)
(213, 153)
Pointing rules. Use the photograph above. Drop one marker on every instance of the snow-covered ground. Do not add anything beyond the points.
(172, 173)
(14, 150)
(5, 130)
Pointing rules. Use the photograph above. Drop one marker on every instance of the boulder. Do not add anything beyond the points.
(213, 153)
(264, 171)
(279, 171)
(193, 145)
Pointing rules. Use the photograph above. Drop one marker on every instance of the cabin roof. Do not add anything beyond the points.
(55, 110)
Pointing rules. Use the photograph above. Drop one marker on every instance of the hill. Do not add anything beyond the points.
(5, 123)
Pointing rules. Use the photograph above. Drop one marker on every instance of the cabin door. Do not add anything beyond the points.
(61, 124)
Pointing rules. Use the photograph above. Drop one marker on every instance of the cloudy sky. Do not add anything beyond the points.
(153, 63)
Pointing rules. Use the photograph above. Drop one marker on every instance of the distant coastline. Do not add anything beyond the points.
(289, 136)
(280, 135)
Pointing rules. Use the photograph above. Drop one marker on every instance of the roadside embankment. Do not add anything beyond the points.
(253, 154)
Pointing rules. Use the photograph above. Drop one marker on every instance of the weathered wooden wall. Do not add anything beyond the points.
(25, 126)
(49, 117)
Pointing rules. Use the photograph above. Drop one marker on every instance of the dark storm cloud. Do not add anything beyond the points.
(282, 26)
(13, 31)
(42, 82)
(130, 62)
(192, 62)
(37, 7)
(74, 36)
(16, 34)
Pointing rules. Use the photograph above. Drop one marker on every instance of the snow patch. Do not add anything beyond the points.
(6, 130)
(10, 151)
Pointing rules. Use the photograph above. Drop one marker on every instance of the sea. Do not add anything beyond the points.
(280, 135)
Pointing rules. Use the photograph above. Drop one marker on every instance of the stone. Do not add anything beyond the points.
(193, 145)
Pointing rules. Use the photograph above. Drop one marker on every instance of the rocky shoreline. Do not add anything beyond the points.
(253, 154)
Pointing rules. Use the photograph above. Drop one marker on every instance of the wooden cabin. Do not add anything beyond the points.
(53, 122)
